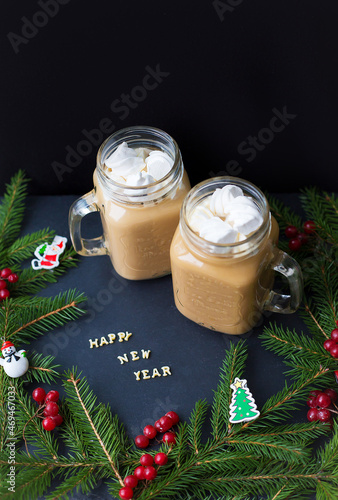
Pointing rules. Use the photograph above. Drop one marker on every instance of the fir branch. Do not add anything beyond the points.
(270, 446)
(29, 483)
(42, 369)
(44, 443)
(83, 479)
(279, 406)
(32, 281)
(12, 209)
(308, 310)
(86, 403)
(23, 248)
(322, 209)
(196, 422)
(298, 348)
(284, 215)
(42, 316)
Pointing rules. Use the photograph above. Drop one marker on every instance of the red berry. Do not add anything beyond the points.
(157, 426)
(39, 394)
(52, 396)
(174, 417)
(166, 423)
(312, 402)
(5, 273)
(323, 400)
(169, 438)
(295, 244)
(139, 472)
(130, 481)
(3, 284)
(51, 409)
(4, 294)
(309, 226)
(302, 237)
(328, 344)
(334, 335)
(150, 473)
(314, 393)
(146, 459)
(57, 419)
(48, 424)
(312, 415)
(141, 441)
(324, 415)
(13, 278)
(332, 393)
(334, 351)
(291, 232)
(126, 493)
(149, 431)
(161, 458)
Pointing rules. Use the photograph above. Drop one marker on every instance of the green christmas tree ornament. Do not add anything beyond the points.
(243, 407)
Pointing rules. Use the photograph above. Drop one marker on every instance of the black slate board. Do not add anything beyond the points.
(147, 310)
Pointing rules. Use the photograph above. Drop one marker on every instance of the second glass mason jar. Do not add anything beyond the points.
(226, 287)
(138, 221)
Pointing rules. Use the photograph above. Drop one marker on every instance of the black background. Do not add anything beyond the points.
(227, 70)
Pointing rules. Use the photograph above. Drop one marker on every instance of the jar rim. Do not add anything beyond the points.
(133, 134)
(238, 248)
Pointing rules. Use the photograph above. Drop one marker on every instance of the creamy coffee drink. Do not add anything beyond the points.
(139, 187)
(138, 235)
(223, 257)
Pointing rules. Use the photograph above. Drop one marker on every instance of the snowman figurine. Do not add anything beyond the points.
(15, 363)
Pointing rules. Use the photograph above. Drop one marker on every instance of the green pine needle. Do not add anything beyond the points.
(12, 209)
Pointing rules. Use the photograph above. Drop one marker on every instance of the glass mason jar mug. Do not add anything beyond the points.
(227, 286)
(138, 220)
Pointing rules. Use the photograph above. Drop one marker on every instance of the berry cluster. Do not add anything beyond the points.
(48, 403)
(321, 404)
(145, 471)
(298, 238)
(331, 345)
(6, 274)
(162, 425)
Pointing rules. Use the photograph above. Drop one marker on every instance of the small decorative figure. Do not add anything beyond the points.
(48, 254)
(243, 407)
(15, 362)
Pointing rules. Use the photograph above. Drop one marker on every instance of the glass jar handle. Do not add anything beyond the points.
(81, 207)
(288, 267)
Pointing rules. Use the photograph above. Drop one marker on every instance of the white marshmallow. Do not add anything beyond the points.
(245, 222)
(222, 198)
(216, 230)
(139, 179)
(227, 216)
(124, 161)
(199, 216)
(142, 153)
(216, 205)
(158, 164)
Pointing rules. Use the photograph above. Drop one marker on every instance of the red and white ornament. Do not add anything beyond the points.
(15, 363)
(48, 254)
